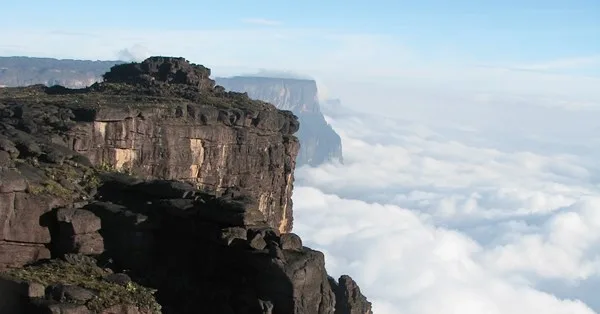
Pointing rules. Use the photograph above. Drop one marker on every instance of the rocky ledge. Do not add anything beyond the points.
(154, 192)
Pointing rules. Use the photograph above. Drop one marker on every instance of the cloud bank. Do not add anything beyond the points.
(431, 217)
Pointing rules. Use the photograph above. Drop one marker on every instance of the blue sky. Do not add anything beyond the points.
(481, 31)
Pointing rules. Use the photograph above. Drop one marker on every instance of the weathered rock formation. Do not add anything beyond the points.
(154, 180)
(319, 143)
(170, 122)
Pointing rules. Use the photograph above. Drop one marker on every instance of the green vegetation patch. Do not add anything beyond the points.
(89, 276)
(64, 181)
(49, 187)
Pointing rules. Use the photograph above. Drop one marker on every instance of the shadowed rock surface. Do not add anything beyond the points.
(319, 143)
(153, 192)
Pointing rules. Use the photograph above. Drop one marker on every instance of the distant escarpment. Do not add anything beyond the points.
(24, 71)
(319, 143)
(155, 191)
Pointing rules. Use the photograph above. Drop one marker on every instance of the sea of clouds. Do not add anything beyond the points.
(499, 213)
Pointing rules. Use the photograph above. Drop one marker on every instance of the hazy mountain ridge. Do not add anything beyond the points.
(22, 71)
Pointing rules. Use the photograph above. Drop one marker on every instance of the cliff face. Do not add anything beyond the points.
(23, 71)
(79, 174)
(215, 146)
(319, 143)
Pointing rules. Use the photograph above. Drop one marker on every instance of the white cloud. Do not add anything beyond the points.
(432, 218)
(410, 266)
(264, 22)
(136, 53)
(564, 248)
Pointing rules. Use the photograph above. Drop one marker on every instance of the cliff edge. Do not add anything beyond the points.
(155, 191)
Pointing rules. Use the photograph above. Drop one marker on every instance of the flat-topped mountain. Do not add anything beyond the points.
(319, 143)
(154, 191)
(298, 95)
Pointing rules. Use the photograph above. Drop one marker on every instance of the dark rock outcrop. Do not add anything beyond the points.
(319, 143)
(101, 198)
(349, 298)
(166, 70)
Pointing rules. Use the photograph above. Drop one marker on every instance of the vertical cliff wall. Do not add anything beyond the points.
(216, 149)
(319, 143)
